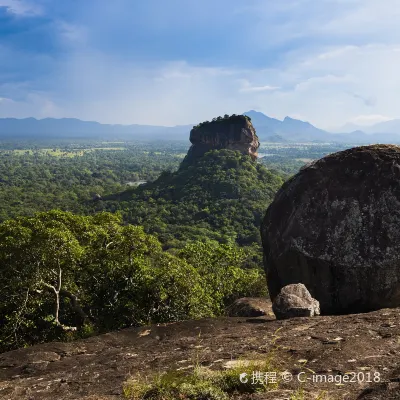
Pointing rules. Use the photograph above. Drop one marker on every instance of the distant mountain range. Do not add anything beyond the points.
(75, 128)
(268, 129)
(294, 130)
(391, 126)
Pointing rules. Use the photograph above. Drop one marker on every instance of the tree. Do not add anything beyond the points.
(64, 276)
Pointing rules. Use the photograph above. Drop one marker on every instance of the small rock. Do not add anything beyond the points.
(338, 339)
(249, 307)
(295, 301)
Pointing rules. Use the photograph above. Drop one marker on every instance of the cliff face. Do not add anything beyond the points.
(233, 133)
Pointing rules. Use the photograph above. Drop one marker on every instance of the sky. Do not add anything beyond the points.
(177, 62)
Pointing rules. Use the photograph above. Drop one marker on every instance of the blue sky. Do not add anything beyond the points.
(175, 62)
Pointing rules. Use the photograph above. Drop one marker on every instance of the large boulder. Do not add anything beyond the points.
(295, 301)
(335, 226)
(233, 133)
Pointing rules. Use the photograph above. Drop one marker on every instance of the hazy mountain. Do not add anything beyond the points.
(268, 129)
(267, 124)
(295, 130)
(386, 127)
(348, 128)
(392, 126)
(290, 129)
(75, 128)
(274, 139)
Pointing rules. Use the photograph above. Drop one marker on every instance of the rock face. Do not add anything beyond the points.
(295, 301)
(335, 226)
(234, 133)
(97, 368)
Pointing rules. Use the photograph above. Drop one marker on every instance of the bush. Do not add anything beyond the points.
(201, 384)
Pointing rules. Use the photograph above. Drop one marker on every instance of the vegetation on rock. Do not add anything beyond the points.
(226, 118)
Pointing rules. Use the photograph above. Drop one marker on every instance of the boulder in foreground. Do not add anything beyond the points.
(295, 301)
(335, 226)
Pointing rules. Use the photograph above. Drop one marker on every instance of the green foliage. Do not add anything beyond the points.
(221, 267)
(174, 385)
(65, 276)
(226, 118)
(35, 180)
(201, 384)
(222, 197)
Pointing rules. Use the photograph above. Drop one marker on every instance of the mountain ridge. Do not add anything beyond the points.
(289, 129)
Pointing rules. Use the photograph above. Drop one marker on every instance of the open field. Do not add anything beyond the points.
(59, 152)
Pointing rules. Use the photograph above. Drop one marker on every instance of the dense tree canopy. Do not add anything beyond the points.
(44, 179)
(222, 197)
(65, 276)
(184, 245)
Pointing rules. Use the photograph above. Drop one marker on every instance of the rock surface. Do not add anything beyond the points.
(335, 226)
(249, 307)
(295, 301)
(96, 368)
(233, 133)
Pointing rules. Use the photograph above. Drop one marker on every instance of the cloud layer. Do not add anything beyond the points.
(179, 62)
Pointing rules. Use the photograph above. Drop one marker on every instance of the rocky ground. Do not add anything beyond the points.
(96, 368)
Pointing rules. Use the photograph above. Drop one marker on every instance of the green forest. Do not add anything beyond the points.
(87, 247)
(41, 179)
(222, 197)
(66, 276)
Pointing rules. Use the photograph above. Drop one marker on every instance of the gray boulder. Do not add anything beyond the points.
(295, 301)
(335, 226)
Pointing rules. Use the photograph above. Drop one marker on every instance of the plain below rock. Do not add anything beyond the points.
(295, 301)
(334, 227)
(250, 307)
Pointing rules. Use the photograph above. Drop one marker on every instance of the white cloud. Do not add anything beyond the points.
(376, 19)
(34, 105)
(322, 81)
(72, 34)
(248, 87)
(340, 63)
(326, 91)
(348, 85)
(339, 85)
(260, 88)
